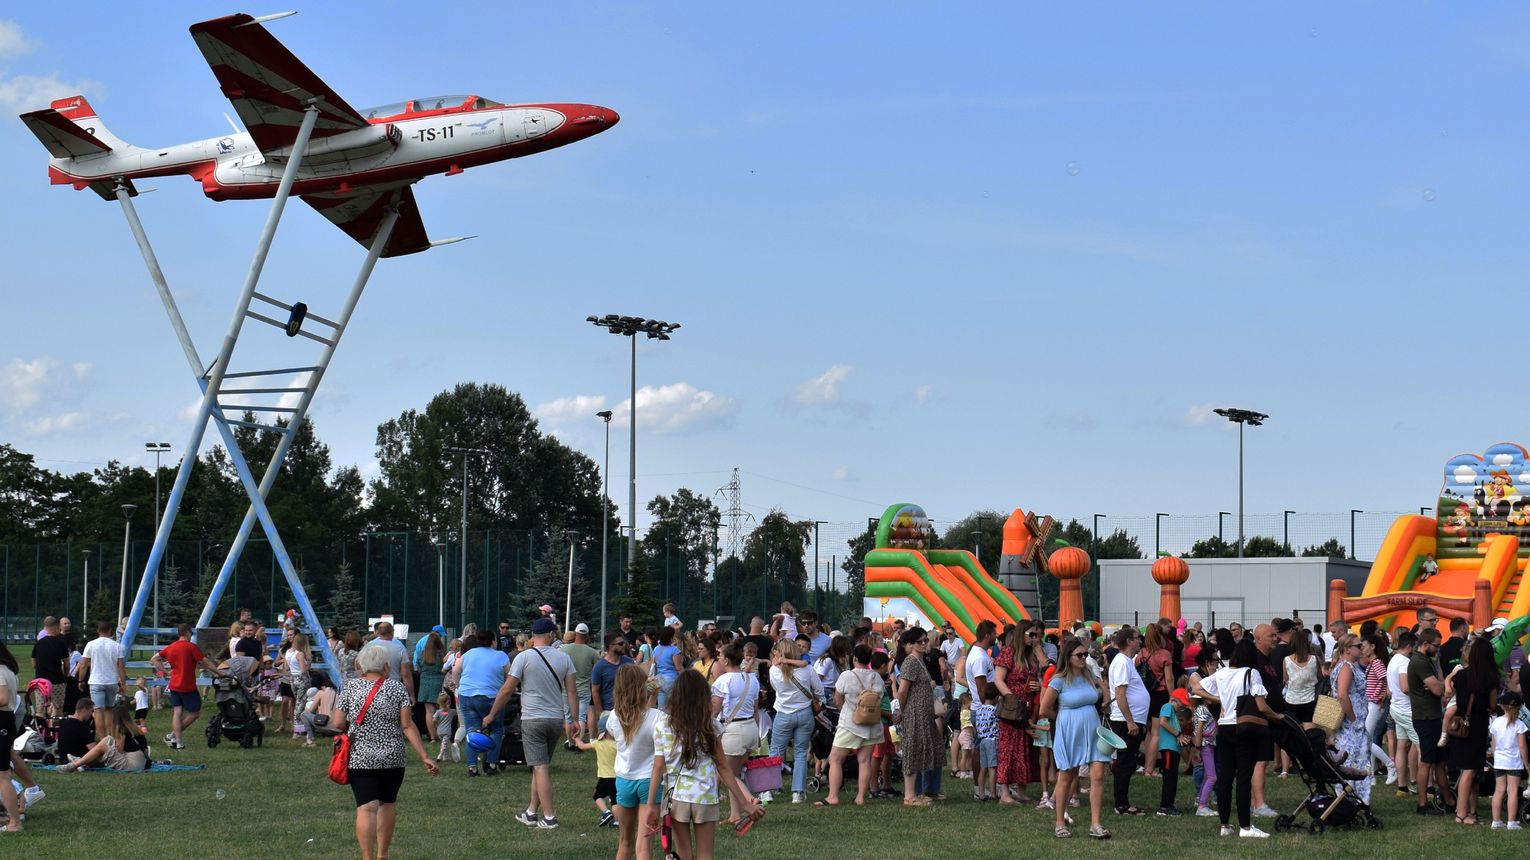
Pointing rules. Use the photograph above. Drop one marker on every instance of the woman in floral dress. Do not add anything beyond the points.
(1349, 685)
(1018, 670)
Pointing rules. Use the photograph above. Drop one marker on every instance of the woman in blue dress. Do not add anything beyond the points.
(1348, 681)
(1070, 700)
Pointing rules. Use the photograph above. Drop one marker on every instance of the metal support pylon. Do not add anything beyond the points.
(210, 379)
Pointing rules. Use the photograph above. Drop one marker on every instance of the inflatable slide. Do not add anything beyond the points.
(906, 579)
(1482, 532)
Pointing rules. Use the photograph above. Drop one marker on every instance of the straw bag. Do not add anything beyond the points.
(1327, 713)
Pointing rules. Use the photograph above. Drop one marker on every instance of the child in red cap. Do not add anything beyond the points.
(1172, 720)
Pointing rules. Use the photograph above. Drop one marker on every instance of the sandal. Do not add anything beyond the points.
(917, 801)
(1098, 832)
(1062, 833)
(824, 804)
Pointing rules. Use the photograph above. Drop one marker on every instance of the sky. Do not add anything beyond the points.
(993, 256)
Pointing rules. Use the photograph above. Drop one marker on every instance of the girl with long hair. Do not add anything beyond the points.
(631, 725)
(1476, 698)
(1158, 655)
(295, 680)
(1070, 701)
(1017, 673)
(688, 757)
(431, 667)
(735, 696)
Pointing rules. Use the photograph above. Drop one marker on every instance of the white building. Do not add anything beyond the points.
(1223, 590)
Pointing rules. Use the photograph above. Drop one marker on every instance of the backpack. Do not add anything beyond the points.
(1152, 681)
(868, 706)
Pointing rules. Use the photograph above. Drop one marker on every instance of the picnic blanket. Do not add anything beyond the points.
(156, 767)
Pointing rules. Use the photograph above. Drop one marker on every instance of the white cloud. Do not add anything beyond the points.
(1502, 459)
(190, 410)
(669, 408)
(53, 423)
(922, 393)
(840, 474)
(30, 92)
(13, 42)
(1524, 478)
(580, 407)
(1199, 414)
(81, 369)
(22, 382)
(1465, 475)
(825, 388)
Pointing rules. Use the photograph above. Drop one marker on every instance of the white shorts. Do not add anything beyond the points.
(740, 737)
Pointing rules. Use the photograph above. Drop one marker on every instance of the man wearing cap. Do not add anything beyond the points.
(583, 657)
(545, 678)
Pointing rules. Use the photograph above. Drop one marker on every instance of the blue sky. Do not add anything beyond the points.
(1003, 255)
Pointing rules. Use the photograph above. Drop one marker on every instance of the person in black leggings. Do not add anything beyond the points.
(1241, 692)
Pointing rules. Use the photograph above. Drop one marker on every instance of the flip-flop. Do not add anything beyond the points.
(824, 804)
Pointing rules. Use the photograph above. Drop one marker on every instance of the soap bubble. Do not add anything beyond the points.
(220, 794)
(1428, 195)
(1312, 32)
(1073, 168)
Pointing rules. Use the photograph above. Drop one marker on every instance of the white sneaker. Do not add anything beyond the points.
(765, 798)
(1497, 825)
(1513, 825)
(1226, 830)
(456, 752)
(31, 796)
(1391, 774)
(1205, 812)
(799, 797)
(1263, 812)
(1252, 833)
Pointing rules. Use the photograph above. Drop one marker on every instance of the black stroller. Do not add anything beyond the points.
(237, 716)
(1330, 801)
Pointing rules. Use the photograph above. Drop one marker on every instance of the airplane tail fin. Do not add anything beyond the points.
(69, 128)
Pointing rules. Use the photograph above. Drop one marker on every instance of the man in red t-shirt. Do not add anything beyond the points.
(183, 657)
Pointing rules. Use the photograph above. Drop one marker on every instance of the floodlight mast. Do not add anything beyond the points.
(1241, 417)
(631, 327)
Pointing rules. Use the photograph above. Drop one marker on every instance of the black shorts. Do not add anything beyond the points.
(1499, 772)
(605, 788)
(380, 785)
(140, 713)
(1156, 700)
(1429, 750)
(284, 690)
(7, 738)
(1302, 712)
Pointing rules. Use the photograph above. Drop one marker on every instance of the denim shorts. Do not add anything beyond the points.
(988, 752)
(103, 695)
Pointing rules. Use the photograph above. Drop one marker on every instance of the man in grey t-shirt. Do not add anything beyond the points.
(545, 678)
(399, 667)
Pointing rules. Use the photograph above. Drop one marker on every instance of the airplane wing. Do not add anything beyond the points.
(269, 87)
(359, 213)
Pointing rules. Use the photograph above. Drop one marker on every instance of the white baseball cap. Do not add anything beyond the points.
(582, 628)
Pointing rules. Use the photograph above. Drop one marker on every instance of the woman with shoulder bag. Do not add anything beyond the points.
(1476, 688)
(735, 696)
(374, 710)
(799, 696)
(1017, 675)
(1349, 687)
(1243, 734)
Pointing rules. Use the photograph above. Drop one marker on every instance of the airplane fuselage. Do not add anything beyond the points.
(400, 149)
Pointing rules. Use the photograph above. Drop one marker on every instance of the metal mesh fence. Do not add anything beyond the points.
(418, 582)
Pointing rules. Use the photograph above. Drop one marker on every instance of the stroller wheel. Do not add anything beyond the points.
(1372, 822)
(1284, 822)
(247, 741)
(813, 784)
(1316, 828)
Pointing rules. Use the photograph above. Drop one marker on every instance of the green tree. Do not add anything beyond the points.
(1212, 547)
(682, 539)
(1262, 546)
(344, 609)
(638, 598)
(1330, 548)
(773, 563)
(983, 529)
(548, 583)
(854, 567)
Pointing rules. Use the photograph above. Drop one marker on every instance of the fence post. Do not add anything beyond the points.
(404, 609)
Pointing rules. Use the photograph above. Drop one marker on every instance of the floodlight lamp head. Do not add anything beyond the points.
(1242, 416)
(127, 510)
(604, 413)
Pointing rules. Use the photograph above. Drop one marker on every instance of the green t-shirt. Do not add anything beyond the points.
(583, 657)
(1426, 705)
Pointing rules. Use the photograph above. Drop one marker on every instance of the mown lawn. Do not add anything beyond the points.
(275, 802)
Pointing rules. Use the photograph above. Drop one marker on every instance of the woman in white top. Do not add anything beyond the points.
(631, 726)
(735, 694)
(1243, 740)
(798, 696)
(1300, 669)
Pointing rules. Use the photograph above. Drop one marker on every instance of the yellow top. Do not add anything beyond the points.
(605, 758)
(966, 718)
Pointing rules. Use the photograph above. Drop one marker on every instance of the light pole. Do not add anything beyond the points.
(817, 594)
(85, 592)
(1352, 512)
(441, 542)
(977, 538)
(465, 452)
(1241, 417)
(1158, 534)
(127, 534)
(1424, 511)
(605, 519)
(1286, 517)
(158, 449)
(630, 327)
(568, 597)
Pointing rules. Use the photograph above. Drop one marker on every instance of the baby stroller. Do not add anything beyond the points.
(821, 744)
(1330, 801)
(237, 716)
(38, 740)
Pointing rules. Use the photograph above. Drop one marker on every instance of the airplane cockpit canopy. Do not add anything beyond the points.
(432, 105)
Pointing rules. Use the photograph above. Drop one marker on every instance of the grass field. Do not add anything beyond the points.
(276, 803)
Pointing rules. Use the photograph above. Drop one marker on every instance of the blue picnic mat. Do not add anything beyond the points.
(157, 767)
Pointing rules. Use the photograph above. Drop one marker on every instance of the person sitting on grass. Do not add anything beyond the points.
(121, 747)
(690, 765)
(76, 732)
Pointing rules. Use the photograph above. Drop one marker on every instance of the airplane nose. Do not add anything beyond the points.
(609, 117)
(600, 118)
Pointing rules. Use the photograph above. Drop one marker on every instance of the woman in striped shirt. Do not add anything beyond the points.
(1373, 660)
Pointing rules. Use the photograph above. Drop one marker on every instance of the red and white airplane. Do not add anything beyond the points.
(355, 160)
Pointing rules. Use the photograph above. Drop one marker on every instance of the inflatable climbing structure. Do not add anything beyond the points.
(905, 578)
